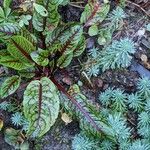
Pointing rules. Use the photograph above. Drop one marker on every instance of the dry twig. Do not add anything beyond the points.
(138, 6)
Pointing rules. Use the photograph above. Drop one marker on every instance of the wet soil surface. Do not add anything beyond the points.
(60, 136)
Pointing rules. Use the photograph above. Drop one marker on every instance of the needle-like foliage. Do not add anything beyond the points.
(118, 54)
(81, 142)
(143, 87)
(119, 127)
(17, 119)
(105, 97)
(107, 145)
(114, 98)
(135, 102)
(4, 105)
(116, 16)
(144, 124)
(139, 145)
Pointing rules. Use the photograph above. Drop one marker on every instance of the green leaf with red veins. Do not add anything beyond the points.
(9, 86)
(80, 47)
(64, 60)
(20, 48)
(40, 106)
(40, 57)
(94, 13)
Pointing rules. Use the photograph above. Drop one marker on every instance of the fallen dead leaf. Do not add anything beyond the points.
(1, 124)
(144, 58)
(65, 117)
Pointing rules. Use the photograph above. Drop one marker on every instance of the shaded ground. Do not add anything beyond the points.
(59, 138)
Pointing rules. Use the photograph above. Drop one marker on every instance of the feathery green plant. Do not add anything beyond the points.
(119, 127)
(144, 124)
(105, 97)
(135, 102)
(5, 105)
(81, 142)
(114, 98)
(147, 106)
(117, 55)
(117, 16)
(114, 22)
(107, 145)
(119, 99)
(143, 87)
(17, 119)
(93, 70)
(139, 145)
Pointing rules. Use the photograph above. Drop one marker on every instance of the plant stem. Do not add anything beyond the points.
(71, 4)
(138, 6)
(74, 101)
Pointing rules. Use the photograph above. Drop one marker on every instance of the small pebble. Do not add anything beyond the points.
(99, 83)
(67, 80)
(141, 32)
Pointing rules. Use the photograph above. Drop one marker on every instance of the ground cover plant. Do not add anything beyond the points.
(39, 54)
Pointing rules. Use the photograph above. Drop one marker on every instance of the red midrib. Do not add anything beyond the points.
(96, 8)
(23, 52)
(10, 85)
(40, 101)
(68, 42)
(59, 86)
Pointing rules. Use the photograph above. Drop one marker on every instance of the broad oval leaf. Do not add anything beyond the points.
(9, 86)
(94, 13)
(66, 41)
(7, 3)
(27, 73)
(53, 17)
(40, 9)
(52, 37)
(64, 38)
(37, 21)
(20, 48)
(8, 28)
(41, 106)
(80, 47)
(64, 60)
(16, 139)
(29, 36)
(16, 64)
(93, 30)
(56, 2)
(40, 57)
(7, 60)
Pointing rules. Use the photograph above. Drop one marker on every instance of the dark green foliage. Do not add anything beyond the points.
(39, 45)
(92, 124)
